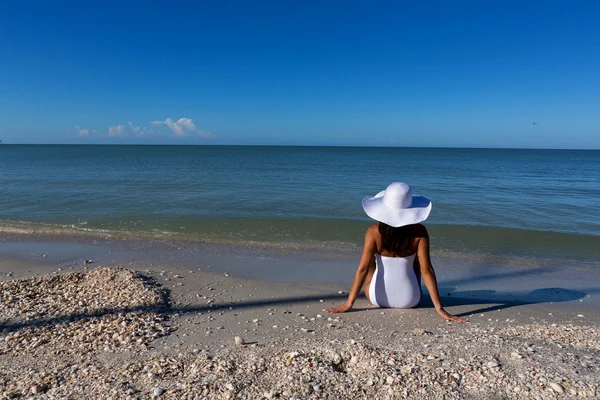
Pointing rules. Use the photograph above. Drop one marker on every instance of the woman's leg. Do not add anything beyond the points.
(370, 274)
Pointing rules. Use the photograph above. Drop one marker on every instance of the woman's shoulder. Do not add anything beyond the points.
(421, 231)
(373, 230)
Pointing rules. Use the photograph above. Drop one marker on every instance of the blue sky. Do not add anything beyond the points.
(434, 73)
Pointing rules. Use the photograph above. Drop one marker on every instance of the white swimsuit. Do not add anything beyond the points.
(394, 282)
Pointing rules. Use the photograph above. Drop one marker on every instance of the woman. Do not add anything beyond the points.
(396, 250)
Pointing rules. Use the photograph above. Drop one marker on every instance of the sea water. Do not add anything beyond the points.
(519, 206)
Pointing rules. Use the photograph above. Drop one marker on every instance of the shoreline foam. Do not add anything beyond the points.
(324, 250)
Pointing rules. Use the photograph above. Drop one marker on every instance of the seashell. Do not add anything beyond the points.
(288, 357)
(37, 389)
(557, 387)
(407, 369)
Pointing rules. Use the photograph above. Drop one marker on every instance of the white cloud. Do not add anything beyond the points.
(141, 131)
(135, 129)
(116, 130)
(81, 131)
(182, 127)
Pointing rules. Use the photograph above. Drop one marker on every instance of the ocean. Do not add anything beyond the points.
(530, 207)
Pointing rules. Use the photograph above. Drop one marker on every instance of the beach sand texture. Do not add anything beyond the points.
(117, 333)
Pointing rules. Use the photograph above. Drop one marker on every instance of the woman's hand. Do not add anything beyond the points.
(449, 317)
(339, 309)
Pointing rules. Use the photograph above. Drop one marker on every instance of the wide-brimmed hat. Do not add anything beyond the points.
(396, 206)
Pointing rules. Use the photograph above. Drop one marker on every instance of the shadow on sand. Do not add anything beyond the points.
(500, 301)
(450, 298)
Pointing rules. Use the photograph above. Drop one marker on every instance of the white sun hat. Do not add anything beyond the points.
(396, 206)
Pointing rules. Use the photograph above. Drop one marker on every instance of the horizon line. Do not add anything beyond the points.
(301, 145)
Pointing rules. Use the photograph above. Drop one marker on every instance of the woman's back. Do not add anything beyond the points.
(410, 241)
(394, 283)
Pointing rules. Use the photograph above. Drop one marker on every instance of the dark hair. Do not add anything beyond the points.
(396, 240)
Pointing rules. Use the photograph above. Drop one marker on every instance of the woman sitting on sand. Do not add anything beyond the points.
(396, 253)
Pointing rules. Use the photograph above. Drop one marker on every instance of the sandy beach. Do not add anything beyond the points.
(185, 322)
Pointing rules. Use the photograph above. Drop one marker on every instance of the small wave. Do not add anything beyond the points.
(30, 229)
(485, 245)
(491, 259)
(42, 229)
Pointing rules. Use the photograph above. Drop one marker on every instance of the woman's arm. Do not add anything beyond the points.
(429, 277)
(369, 250)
